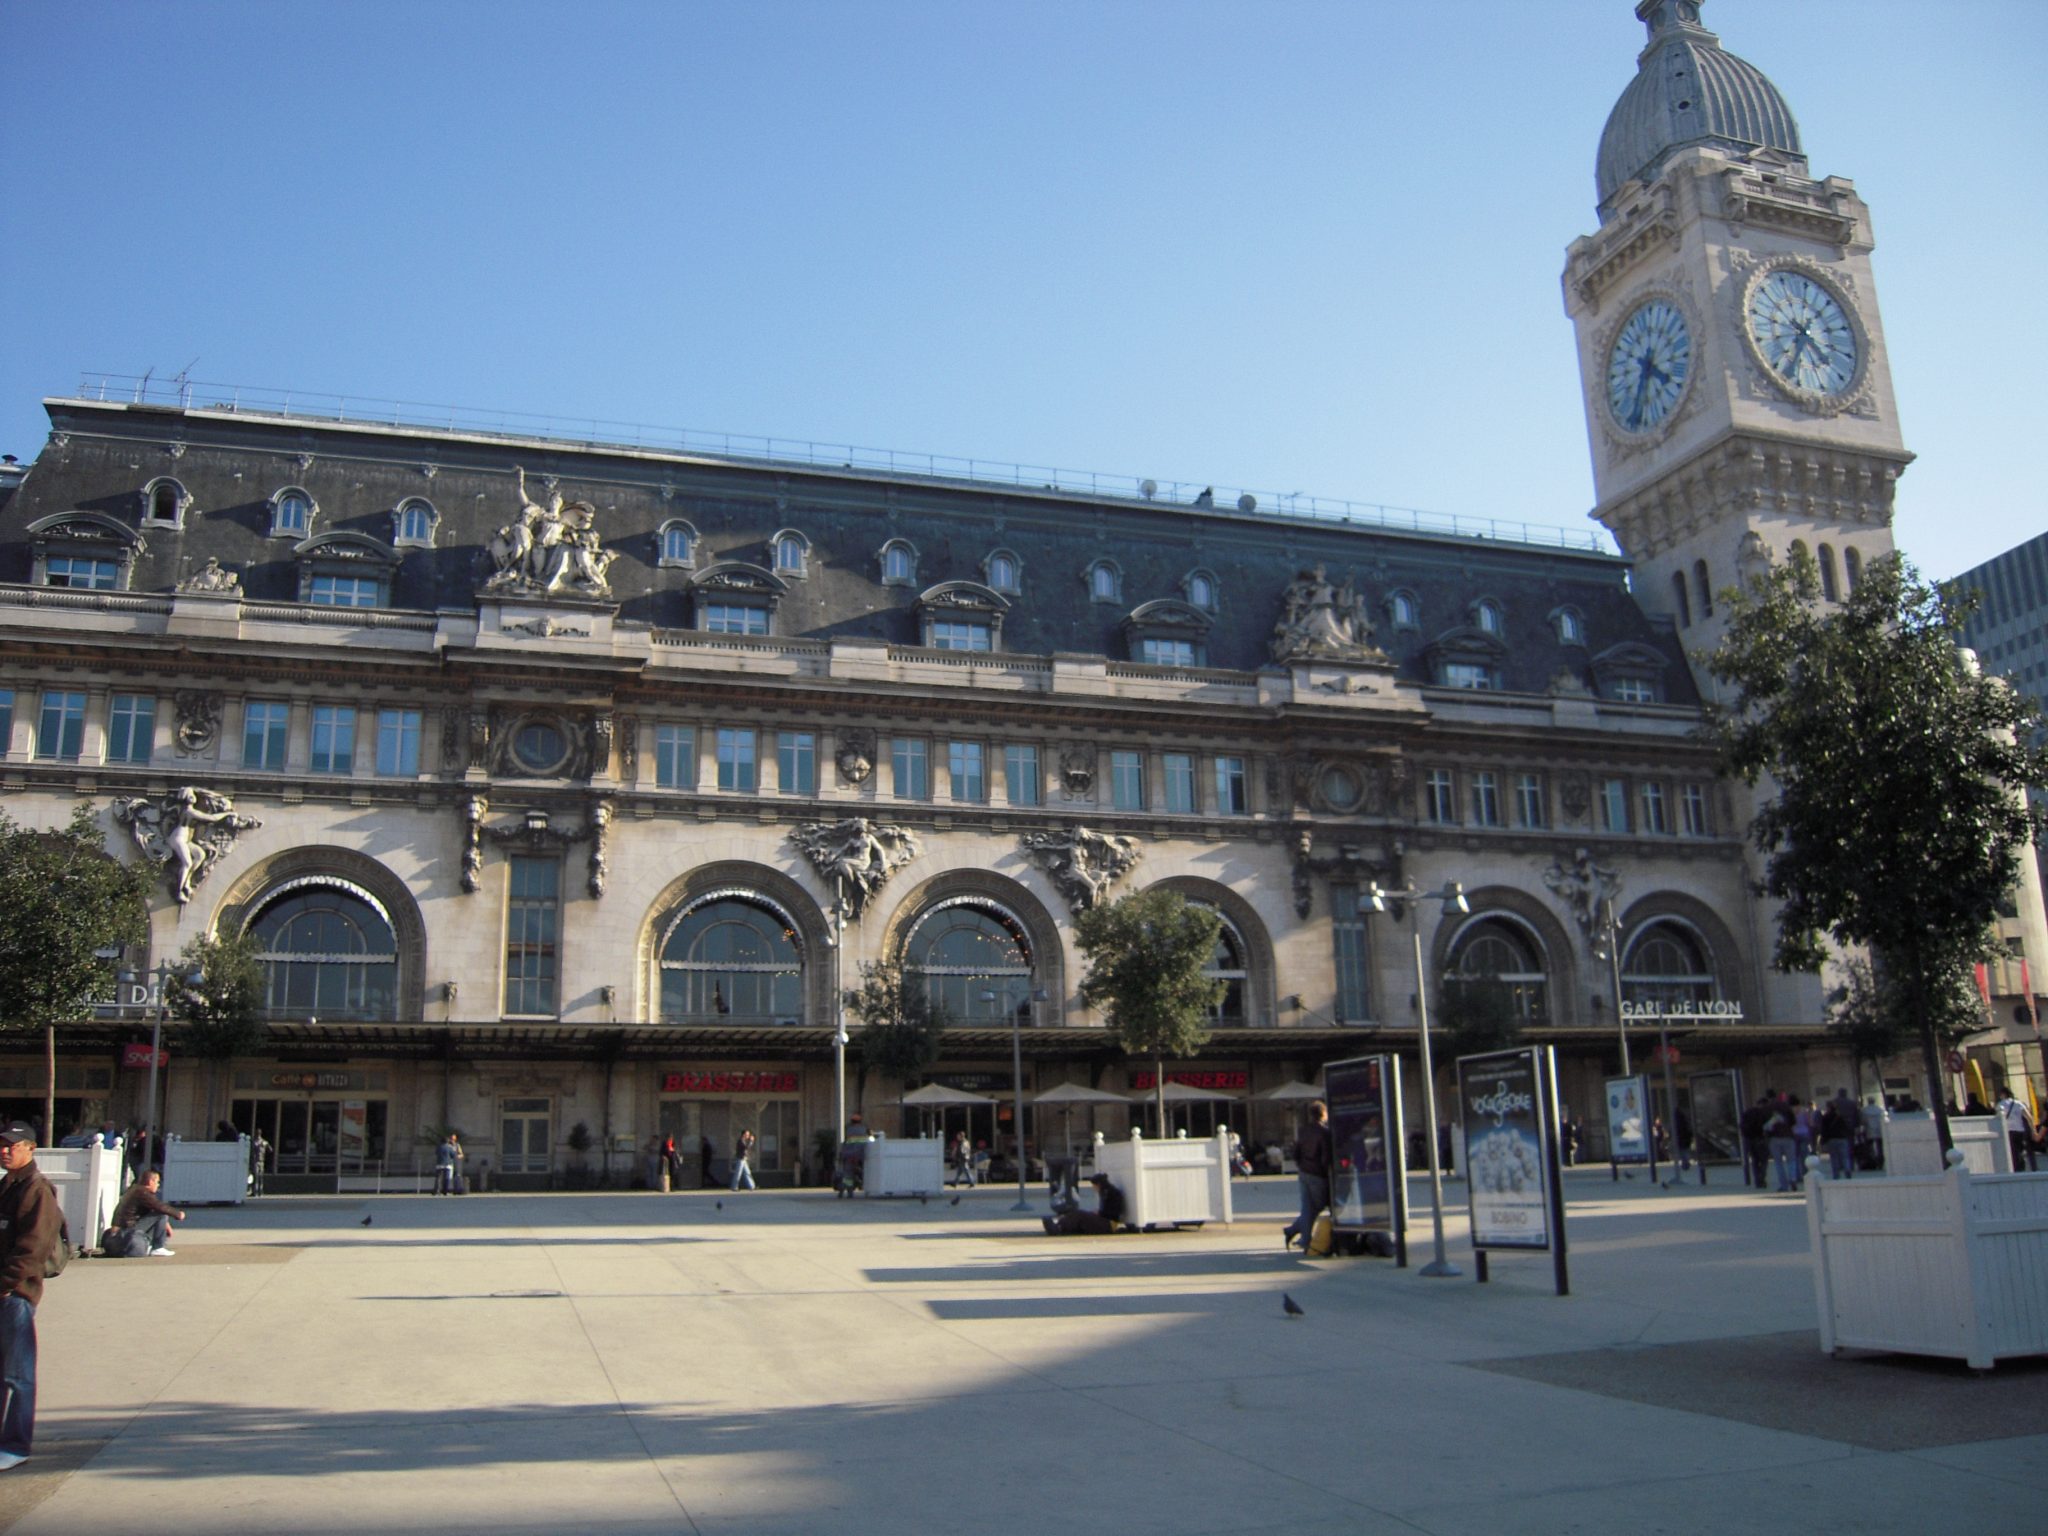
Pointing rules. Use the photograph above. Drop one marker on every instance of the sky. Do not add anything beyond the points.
(1284, 246)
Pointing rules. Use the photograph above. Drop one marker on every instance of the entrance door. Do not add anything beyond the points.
(524, 1140)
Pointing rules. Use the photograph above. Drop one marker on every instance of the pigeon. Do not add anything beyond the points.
(719, 1203)
(1290, 1306)
(956, 1200)
(924, 1199)
(366, 1221)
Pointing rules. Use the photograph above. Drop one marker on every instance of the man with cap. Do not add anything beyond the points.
(1100, 1222)
(30, 1221)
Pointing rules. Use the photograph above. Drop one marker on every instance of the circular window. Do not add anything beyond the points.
(540, 747)
(1340, 788)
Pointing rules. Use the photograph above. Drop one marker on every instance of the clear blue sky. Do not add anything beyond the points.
(1271, 244)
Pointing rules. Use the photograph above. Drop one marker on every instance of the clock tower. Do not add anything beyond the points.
(1738, 396)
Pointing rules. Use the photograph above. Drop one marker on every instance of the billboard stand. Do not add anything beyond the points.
(1514, 1155)
(1369, 1187)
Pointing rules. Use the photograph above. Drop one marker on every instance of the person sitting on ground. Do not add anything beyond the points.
(1100, 1222)
(142, 1222)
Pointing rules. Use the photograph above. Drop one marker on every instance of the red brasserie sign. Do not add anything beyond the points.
(729, 1082)
(1222, 1082)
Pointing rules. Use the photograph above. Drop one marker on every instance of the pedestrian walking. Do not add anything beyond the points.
(742, 1168)
(1313, 1157)
(2019, 1131)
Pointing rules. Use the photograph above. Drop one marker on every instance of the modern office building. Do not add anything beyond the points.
(566, 782)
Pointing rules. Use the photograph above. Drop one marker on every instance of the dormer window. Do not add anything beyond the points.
(413, 522)
(1004, 573)
(1490, 617)
(1403, 610)
(164, 501)
(792, 553)
(1571, 628)
(961, 616)
(1630, 674)
(899, 564)
(678, 544)
(86, 551)
(345, 570)
(1105, 582)
(291, 514)
(733, 598)
(1200, 587)
(1168, 633)
(1466, 657)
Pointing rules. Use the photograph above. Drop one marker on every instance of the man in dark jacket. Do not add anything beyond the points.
(1313, 1158)
(142, 1211)
(30, 1221)
(1100, 1222)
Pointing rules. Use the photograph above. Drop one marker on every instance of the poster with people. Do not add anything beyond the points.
(1628, 1119)
(1504, 1104)
(1367, 1184)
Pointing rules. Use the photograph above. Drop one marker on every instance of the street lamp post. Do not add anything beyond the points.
(1452, 896)
(1611, 927)
(1016, 1091)
(159, 979)
(838, 1023)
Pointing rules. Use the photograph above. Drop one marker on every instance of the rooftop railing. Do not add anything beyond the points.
(187, 394)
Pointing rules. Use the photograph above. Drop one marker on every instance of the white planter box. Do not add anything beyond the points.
(1169, 1183)
(88, 1184)
(1912, 1145)
(912, 1167)
(1953, 1265)
(206, 1172)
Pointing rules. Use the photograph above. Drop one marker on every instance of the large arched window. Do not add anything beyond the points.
(1497, 964)
(1666, 963)
(731, 958)
(975, 959)
(1230, 967)
(328, 951)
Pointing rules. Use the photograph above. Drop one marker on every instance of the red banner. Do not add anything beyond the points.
(729, 1082)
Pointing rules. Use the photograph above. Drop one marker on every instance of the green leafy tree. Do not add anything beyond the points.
(218, 1003)
(1896, 819)
(900, 1029)
(1478, 1014)
(1147, 954)
(1872, 1015)
(64, 902)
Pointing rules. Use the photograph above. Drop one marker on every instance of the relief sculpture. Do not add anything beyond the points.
(1081, 863)
(185, 832)
(856, 855)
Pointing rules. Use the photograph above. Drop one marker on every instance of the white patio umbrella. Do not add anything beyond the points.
(1291, 1093)
(1187, 1093)
(1065, 1096)
(938, 1096)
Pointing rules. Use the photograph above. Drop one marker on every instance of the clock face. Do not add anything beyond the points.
(1648, 365)
(1802, 333)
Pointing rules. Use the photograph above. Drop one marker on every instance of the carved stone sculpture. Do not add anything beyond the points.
(474, 809)
(629, 747)
(1077, 772)
(198, 724)
(536, 832)
(552, 550)
(479, 737)
(213, 578)
(856, 855)
(600, 862)
(1588, 890)
(1081, 863)
(1319, 621)
(1346, 864)
(451, 739)
(184, 833)
(856, 756)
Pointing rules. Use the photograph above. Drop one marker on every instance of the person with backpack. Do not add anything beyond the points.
(31, 1227)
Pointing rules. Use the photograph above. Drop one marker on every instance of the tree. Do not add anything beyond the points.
(1872, 1015)
(1897, 819)
(64, 902)
(900, 1029)
(218, 1002)
(1148, 954)
(1479, 1013)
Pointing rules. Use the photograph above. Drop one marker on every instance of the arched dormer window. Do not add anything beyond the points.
(678, 544)
(1852, 563)
(1200, 588)
(1404, 610)
(413, 522)
(1105, 582)
(85, 550)
(1830, 588)
(345, 570)
(1684, 605)
(733, 598)
(1004, 572)
(1571, 626)
(899, 563)
(1630, 674)
(1704, 585)
(792, 554)
(165, 502)
(961, 616)
(292, 512)
(1168, 633)
(1466, 657)
(1490, 617)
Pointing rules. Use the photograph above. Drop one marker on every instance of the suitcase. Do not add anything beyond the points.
(1319, 1239)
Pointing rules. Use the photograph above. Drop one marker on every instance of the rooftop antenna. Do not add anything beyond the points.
(142, 389)
(184, 382)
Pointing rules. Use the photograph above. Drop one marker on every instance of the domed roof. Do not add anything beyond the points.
(1687, 91)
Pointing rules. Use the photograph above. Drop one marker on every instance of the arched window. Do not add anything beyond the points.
(791, 550)
(731, 959)
(1201, 590)
(1665, 963)
(1678, 593)
(327, 951)
(1828, 587)
(164, 501)
(1704, 585)
(415, 520)
(975, 959)
(1497, 967)
(291, 514)
(1571, 628)
(1003, 571)
(1489, 616)
(899, 563)
(1228, 965)
(1404, 609)
(677, 544)
(1105, 582)
(1852, 562)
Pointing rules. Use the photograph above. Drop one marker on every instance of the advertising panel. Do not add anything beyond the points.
(1628, 1119)
(1716, 1116)
(1364, 1095)
(1503, 1103)
(355, 1135)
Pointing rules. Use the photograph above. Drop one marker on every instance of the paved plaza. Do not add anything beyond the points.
(788, 1362)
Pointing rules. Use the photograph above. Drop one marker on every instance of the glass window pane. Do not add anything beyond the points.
(398, 742)
(131, 728)
(1020, 775)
